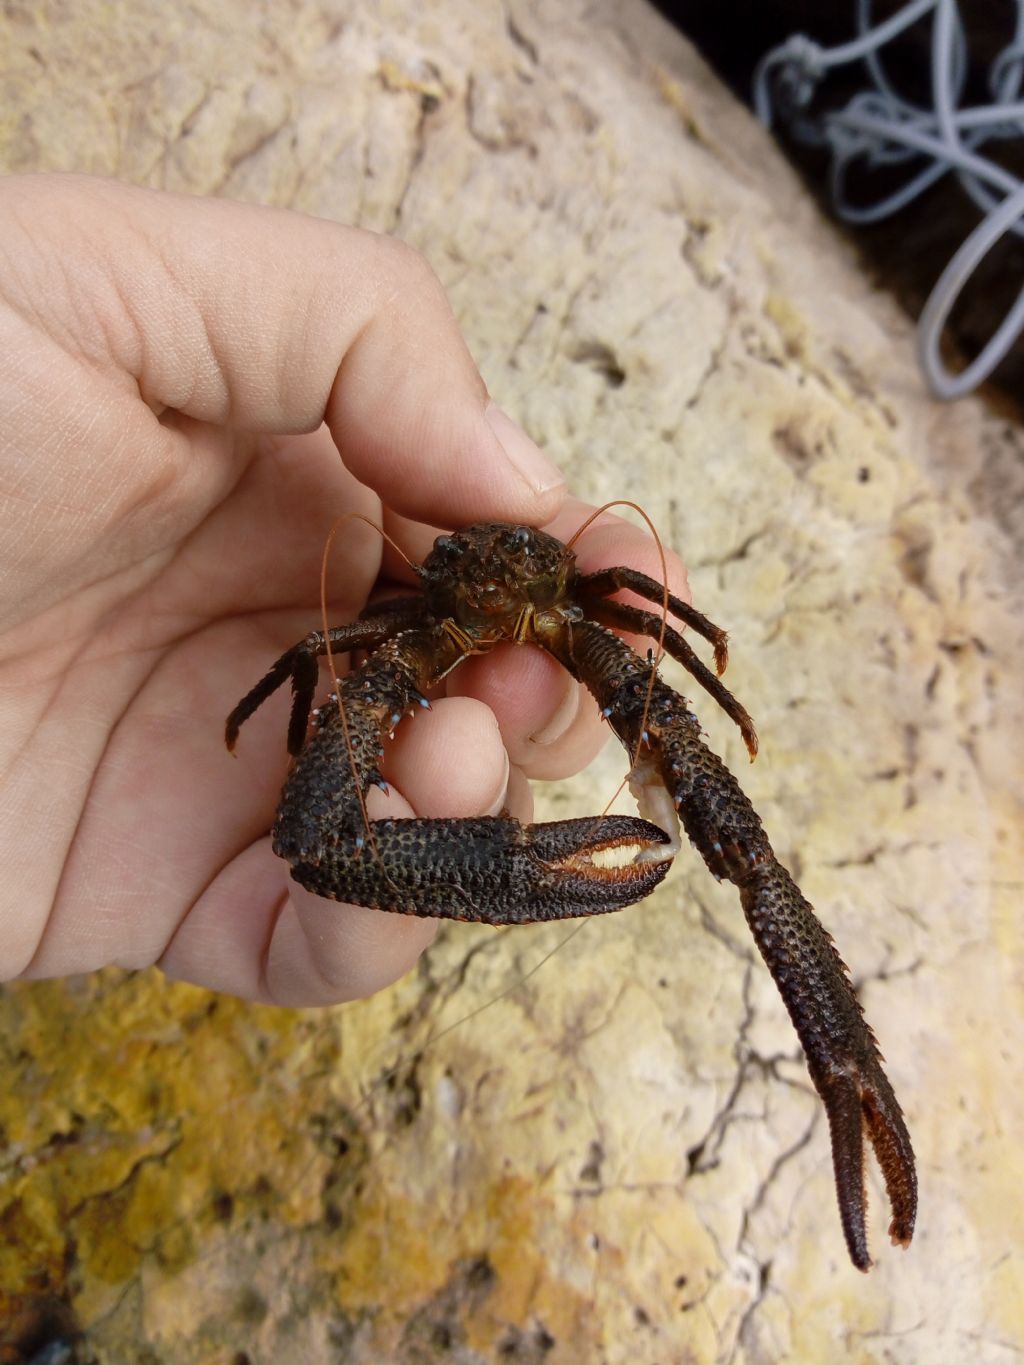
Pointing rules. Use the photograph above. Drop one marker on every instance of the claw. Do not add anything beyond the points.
(842, 1055)
(574, 870)
(859, 1102)
(490, 870)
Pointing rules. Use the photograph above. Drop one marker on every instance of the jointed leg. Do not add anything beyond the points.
(300, 663)
(842, 1055)
(606, 581)
(625, 617)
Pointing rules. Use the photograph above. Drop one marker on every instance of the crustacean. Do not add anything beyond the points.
(492, 583)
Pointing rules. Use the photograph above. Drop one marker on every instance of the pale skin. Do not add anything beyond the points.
(191, 392)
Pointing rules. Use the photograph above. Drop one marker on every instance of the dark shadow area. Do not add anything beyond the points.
(907, 252)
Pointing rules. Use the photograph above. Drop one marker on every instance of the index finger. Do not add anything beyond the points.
(266, 320)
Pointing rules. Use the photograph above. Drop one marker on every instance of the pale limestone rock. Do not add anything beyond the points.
(619, 1159)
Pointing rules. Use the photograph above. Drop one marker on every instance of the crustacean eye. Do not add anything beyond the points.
(518, 538)
(449, 547)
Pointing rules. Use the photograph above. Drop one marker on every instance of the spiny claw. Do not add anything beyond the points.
(859, 1100)
(570, 854)
(489, 869)
(842, 1055)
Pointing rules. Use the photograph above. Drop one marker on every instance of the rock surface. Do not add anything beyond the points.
(620, 1158)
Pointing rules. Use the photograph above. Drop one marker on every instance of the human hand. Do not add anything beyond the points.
(180, 375)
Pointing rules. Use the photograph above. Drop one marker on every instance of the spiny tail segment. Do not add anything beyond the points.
(842, 1055)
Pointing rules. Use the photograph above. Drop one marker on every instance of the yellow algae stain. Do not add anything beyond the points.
(486, 1263)
(527, 1290)
(389, 1238)
(32, 1259)
(1004, 1300)
(152, 1120)
(790, 324)
(135, 1112)
(679, 99)
(393, 78)
(511, 1217)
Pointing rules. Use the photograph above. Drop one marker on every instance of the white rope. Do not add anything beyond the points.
(880, 127)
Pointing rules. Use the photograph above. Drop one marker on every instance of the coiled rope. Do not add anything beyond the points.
(880, 127)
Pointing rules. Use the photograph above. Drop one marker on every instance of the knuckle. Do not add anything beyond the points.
(411, 274)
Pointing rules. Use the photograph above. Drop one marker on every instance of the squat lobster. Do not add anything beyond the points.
(493, 583)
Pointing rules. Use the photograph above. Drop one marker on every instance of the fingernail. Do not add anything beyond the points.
(564, 715)
(524, 455)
